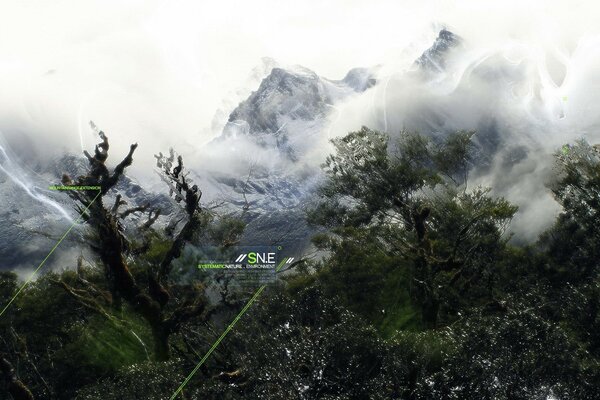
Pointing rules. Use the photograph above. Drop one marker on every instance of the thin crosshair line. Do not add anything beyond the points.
(218, 341)
(48, 256)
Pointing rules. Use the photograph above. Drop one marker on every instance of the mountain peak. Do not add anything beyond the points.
(433, 59)
(359, 79)
(295, 94)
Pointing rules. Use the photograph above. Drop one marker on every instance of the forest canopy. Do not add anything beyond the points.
(419, 292)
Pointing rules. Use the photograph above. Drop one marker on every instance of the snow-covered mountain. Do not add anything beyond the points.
(233, 99)
(33, 218)
(296, 94)
(433, 59)
(281, 121)
(291, 105)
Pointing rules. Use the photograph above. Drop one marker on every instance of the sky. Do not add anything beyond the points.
(155, 72)
(140, 68)
(162, 68)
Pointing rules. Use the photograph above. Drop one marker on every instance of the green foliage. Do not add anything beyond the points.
(404, 238)
(403, 208)
(364, 181)
(574, 241)
(226, 231)
(521, 353)
(8, 286)
(156, 251)
(149, 380)
(306, 346)
(368, 280)
(108, 345)
(453, 158)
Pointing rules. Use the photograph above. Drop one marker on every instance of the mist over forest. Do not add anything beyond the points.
(425, 174)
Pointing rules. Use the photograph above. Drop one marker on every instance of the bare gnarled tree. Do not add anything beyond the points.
(113, 248)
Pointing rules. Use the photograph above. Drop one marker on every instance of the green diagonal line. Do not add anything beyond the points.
(48, 256)
(218, 341)
(280, 264)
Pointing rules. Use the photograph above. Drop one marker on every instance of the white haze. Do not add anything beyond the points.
(155, 72)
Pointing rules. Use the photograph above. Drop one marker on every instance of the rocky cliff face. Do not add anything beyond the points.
(284, 117)
(433, 59)
(33, 218)
(290, 106)
(296, 94)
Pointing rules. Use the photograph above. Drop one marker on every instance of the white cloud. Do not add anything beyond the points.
(156, 71)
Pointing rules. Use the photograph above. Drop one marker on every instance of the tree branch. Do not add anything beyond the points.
(16, 388)
(132, 210)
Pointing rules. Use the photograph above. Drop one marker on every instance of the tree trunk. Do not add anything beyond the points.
(162, 351)
(430, 310)
(16, 388)
(426, 294)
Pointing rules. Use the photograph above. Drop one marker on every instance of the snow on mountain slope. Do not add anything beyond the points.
(33, 218)
(256, 165)
(232, 100)
(433, 59)
(268, 134)
(293, 102)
